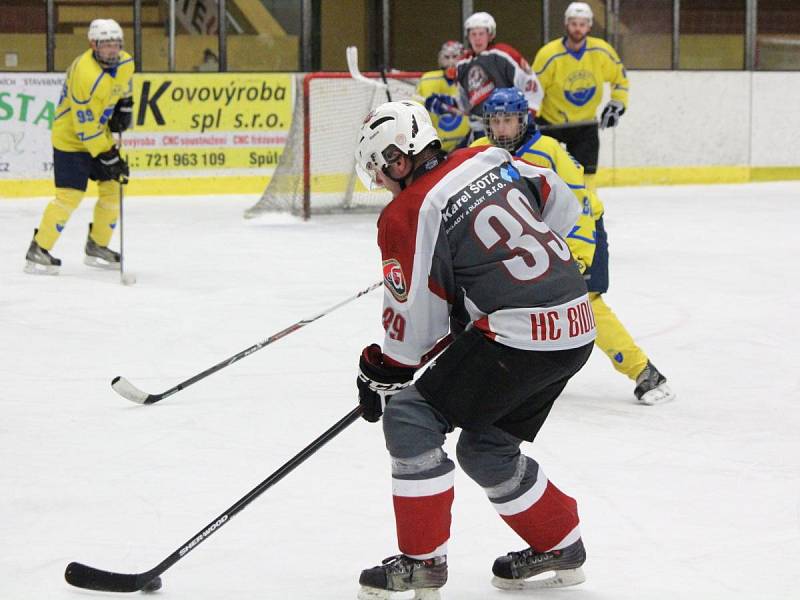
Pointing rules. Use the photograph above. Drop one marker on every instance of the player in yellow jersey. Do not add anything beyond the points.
(573, 70)
(438, 91)
(508, 125)
(96, 100)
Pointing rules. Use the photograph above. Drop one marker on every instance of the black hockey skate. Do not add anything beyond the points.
(400, 574)
(651, 386)
(39, 261)
(514, 570)
(99, 256)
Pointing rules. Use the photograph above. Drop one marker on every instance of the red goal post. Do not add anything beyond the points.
(316, 171)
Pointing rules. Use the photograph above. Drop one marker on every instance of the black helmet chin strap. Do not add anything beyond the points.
(419, 170)
(402, 180)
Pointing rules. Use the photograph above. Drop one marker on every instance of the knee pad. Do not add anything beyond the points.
(108, 195)
(411, 426)
(489, 462)
(68, 199)
(427, 462)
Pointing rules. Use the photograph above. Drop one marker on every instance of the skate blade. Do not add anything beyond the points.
(368, 593)
(33, 268)
(559, 579)
(99, 263)
(658, 395)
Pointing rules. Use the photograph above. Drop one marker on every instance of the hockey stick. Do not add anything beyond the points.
(127, 390)
(90, 578)
(355, 73)
(124, 278)
(568, 125)
(386, 83)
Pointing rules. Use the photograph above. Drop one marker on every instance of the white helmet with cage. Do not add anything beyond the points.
(579, 10)
(105, 30)
(481, 19)
(405, 126)
(101, 33)
(450, 52)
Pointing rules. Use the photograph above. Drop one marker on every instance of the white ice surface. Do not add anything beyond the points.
(698, 499)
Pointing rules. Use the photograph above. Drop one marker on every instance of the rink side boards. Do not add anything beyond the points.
(682, 127)
(630, 176)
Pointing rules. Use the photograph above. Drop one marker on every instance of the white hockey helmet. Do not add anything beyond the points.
(579, 10)
(405, 126)
(481, 19)
(105, 30)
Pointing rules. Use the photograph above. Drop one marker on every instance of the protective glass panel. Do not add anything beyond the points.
(196, 35)
(23, 36)
(72, 27)
(263, 35)
(418, 30)
(644, 38)
(778, 41)
(519, 23)
(712, 34)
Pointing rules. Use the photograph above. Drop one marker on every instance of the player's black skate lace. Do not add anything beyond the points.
(400, 573)
(529, 563)
(649, 379)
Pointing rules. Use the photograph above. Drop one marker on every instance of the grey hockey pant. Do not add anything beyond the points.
(423, 474)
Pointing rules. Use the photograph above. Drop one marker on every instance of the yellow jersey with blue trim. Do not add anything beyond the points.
(88, 98)
(452, 128)
(544, 151)
(573, 81)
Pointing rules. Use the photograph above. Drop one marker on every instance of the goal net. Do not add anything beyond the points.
(316, 172)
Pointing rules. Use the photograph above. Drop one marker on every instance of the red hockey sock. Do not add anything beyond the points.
(544, 516)
(422, 514)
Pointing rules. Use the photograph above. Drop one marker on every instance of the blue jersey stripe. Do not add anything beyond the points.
(578, 55)
(85, 138)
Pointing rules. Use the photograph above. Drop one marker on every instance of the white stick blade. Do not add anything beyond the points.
(355, 73)
(129, 391)
(352, 61)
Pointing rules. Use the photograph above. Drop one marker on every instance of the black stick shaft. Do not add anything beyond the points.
(153, 398)
(87, 577)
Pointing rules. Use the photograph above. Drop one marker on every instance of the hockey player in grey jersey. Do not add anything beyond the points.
(473, 251)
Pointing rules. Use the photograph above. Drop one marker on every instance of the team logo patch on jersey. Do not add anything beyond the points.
(479, 85)
(509, 173)
(394, 280)
(580, 87)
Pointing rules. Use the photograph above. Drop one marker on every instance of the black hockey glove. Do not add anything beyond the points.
(112, 166)
(611, 114)
(122, 118)
(377, 382)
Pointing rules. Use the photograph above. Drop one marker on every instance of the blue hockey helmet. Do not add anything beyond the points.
(506, 101)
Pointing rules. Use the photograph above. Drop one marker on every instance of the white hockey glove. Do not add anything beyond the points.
(611, 114)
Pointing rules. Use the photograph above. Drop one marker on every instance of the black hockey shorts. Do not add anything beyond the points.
(477, 383)
(596, 276)
(583, 143)
(74, 169)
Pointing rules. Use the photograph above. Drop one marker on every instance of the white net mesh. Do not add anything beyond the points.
(324, 173)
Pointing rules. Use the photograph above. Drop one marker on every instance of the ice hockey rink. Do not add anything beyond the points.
(698, 499)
